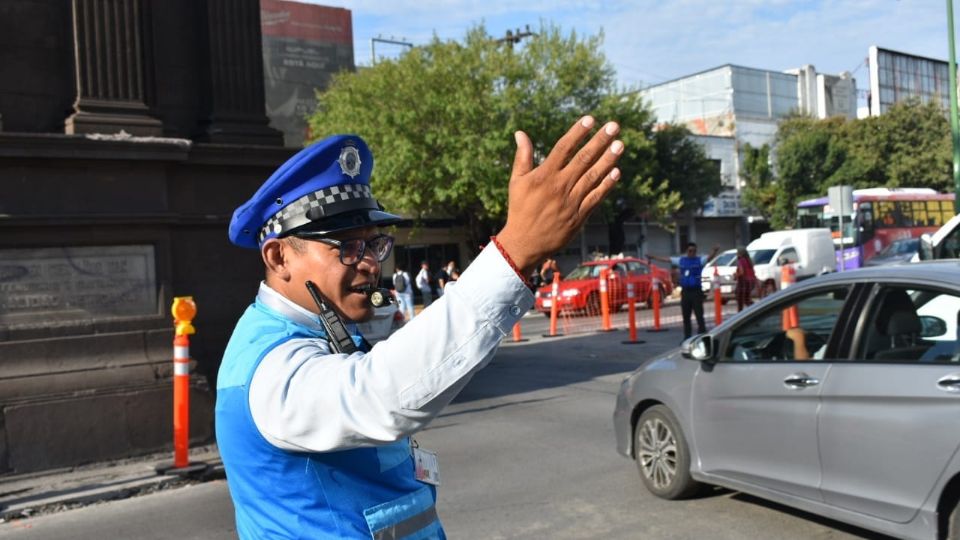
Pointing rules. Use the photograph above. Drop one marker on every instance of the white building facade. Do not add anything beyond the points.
(730, 106)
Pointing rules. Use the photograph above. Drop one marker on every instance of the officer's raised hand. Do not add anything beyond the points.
(548, 204)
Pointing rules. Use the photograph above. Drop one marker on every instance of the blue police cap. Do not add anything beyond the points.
(322, 189)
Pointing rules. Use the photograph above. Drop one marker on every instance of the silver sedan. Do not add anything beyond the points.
(839, 396)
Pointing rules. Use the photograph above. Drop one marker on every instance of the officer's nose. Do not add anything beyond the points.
(368, 263)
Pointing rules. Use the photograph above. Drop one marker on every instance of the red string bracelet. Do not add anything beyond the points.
(511, 263)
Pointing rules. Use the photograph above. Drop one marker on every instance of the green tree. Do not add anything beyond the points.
(683, 165)
(642, 190)
(440, 119)
(759, 192)
(807, 153)
(908, 146)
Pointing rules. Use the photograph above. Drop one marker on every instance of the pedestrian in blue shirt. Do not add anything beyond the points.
(313, 425)
(691, 285)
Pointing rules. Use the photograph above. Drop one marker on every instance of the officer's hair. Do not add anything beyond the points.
(298, 245)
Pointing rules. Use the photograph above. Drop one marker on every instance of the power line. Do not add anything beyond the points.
(515, 37)
(391, 41)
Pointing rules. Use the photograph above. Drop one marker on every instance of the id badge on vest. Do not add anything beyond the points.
(426, 466)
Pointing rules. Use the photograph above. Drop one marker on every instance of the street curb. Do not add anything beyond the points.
(36, 494)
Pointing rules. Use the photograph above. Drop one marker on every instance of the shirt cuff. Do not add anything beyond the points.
(497, 290)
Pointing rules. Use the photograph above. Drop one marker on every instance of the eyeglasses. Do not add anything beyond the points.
(352, 251)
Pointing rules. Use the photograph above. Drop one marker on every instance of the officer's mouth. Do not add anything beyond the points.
(364, 289)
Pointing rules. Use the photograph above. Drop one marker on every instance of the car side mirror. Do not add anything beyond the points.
(698, 348)
(925, 253)
(932, 326)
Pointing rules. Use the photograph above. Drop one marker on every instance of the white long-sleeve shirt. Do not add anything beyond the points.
(423, 279)
(303, 398)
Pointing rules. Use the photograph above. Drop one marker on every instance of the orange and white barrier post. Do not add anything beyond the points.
(717, 298)
(791, 317)
(655, 291)
(517, 333)
(183, 310)
(605, 301)
(632, 310)
(554, 306)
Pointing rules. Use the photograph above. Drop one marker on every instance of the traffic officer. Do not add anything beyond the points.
(691, 285)
(317, 443)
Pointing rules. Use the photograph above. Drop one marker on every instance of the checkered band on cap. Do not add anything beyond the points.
(317, 205)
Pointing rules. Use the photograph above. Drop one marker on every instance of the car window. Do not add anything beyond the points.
(620, 269)
(911, 324)
(584, 272)
(762, 256)
(796, 330)
(788, 256)
(724, 259)
(950, 245)
(638, 269)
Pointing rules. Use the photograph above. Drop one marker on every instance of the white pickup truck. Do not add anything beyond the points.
(943, 244)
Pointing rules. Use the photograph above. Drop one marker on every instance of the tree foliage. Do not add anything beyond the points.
(908, 146)
(440, 120)
(682, 163)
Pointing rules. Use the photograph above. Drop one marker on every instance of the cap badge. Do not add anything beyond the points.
(350, 161)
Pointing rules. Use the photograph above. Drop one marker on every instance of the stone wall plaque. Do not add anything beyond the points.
(67, 283)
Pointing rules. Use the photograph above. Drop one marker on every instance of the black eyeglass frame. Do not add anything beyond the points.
(361, 251)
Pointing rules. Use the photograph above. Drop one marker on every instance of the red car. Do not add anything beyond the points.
(580, 289)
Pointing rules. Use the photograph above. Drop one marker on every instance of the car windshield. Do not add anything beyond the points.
(761, 256)
(901, 247)
(586, 271)
(724, 259)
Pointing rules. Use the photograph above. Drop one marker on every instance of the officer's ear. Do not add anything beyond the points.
(276, 254)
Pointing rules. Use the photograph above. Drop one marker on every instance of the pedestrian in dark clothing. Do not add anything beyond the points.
(746, 279)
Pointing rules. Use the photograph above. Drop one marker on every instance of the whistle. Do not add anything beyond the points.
(380, 297)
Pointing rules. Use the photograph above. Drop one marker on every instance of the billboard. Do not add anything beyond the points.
(897, 76)
(304, 45)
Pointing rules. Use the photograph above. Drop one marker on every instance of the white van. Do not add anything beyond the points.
(810, 251)
(943, 244)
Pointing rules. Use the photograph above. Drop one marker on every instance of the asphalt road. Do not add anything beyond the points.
(526, 451)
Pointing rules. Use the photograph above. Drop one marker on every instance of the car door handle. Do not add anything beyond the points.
(949, 383)
(797, 381)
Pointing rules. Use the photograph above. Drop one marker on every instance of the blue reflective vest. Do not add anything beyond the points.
(690, 270)
(357, 493)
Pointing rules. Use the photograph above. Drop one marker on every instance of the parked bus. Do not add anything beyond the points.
(880, 216)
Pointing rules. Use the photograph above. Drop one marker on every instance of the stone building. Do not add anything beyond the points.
(129, 131)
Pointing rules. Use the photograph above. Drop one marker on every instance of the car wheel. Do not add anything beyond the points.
(546, 314)
(662, 455)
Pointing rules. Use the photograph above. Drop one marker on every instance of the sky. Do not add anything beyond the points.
(650, 42)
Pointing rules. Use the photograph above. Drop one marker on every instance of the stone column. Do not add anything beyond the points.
(110, 56)
(237, 110)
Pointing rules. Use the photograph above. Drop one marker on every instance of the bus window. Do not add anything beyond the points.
(865, 221)
(946, 211)
(934, 217)
(886, 214)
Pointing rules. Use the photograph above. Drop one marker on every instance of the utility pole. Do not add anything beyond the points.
(391, 41)
(954, 128)
(515, 37)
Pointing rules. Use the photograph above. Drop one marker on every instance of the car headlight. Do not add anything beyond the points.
(570, 292)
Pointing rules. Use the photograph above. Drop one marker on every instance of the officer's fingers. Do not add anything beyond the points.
(593, 198)
(565, 147)
(597, 172)
(593, 151)
(523, 159)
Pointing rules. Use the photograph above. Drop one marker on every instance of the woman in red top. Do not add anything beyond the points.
(746, 279)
